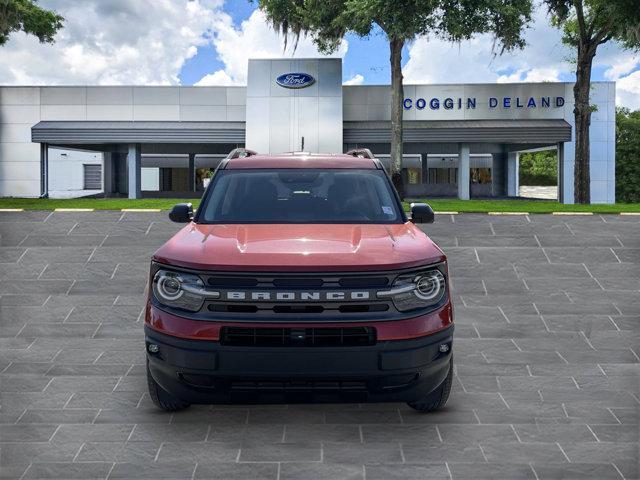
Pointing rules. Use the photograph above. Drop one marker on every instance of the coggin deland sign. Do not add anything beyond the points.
(302, 80)
(469, 103)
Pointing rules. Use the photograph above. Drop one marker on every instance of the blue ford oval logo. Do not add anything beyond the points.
(295, 80)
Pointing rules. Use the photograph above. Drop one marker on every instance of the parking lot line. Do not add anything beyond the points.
(74, 210)
(141, 210)
(572, 213)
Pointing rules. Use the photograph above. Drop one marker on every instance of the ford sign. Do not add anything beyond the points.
(295, 80)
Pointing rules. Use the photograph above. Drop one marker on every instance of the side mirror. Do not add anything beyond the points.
(181, 213)
(421, 213)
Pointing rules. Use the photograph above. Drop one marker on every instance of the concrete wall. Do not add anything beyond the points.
(66, 171)
(278, 117)
(23, 107)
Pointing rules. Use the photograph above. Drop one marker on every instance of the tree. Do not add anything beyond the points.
(627, 155)
(28, 17)
(327, 21)
(539, 168)
(587, 24)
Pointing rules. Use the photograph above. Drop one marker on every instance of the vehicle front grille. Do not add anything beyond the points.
(296, 308)
(298, 337)
(299, 386)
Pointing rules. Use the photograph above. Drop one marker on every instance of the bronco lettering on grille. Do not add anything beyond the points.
(296, 296)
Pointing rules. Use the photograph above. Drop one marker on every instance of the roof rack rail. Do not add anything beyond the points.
(361, 152)
(240, 153)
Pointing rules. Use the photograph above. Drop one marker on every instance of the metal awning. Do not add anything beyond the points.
(137, 132)
(476, 131)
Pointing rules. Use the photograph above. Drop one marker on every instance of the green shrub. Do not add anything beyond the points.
(539, 168)
(627, 156)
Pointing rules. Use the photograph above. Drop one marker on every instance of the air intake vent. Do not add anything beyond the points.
(230, 282)
(298, 337)
(363, 282)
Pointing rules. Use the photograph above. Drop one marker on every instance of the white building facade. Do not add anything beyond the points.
(460, 140)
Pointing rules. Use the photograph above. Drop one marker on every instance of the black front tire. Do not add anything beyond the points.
(161, 398)
(436, 399)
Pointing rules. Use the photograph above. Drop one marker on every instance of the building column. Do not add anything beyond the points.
(513, 172)
(44, 170)
(107, 173)
(561, 176)
(463, 171)
(192, 172)
(134, 170)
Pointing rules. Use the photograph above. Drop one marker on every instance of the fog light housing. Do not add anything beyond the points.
(444, 348)
(153, 348)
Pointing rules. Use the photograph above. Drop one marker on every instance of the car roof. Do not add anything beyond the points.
(302, 160)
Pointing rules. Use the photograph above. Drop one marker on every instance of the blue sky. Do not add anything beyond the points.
(368, 56)
(208, 42)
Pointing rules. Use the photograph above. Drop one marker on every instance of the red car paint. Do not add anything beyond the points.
(302, 161)
(299, 248)
(393, 330)
(294, 247)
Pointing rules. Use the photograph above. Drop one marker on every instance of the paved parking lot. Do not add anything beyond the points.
(546, 351)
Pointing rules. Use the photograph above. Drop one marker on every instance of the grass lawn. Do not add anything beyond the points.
(439, 205)
(530, 206)
(95, 203)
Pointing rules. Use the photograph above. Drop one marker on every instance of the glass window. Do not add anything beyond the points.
(443, 175)
(301, 196)
(480, 175)
(414, 176)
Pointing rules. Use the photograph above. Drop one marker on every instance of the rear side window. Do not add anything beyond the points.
(301, 196)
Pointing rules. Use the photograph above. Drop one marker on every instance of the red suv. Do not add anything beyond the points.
(299, 278)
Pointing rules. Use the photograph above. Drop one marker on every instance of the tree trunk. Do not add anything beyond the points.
(397, 98)
(582, 115)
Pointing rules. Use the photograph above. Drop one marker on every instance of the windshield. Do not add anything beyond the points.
(300, 196)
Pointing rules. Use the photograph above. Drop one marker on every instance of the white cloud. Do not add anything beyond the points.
(254, 39)
(628, 91)
(545, 58)
(357, 79)
(622, 65)
(114, 42)
(219, 77)
(436, 61)
(531, 75)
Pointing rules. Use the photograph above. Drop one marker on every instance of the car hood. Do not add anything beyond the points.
(308, 247)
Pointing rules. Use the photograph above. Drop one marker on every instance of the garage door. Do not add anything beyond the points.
(93, 177)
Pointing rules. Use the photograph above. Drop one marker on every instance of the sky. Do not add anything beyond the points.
(208, 42)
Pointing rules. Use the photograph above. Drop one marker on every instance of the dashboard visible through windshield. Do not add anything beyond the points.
(300, 196)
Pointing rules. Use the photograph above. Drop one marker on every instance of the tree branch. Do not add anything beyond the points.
(604, 34)
(580, 14)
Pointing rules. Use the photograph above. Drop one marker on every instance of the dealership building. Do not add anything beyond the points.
(460, 140)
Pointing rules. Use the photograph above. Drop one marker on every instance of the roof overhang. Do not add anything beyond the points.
(475, 131)
(59, 132)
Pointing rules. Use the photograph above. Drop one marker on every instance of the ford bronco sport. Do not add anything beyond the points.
(299, 279)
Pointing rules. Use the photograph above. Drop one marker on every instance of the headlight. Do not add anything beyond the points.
(179, 290)
(417, 290)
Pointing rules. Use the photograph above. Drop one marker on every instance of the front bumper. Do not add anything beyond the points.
(203, 371)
